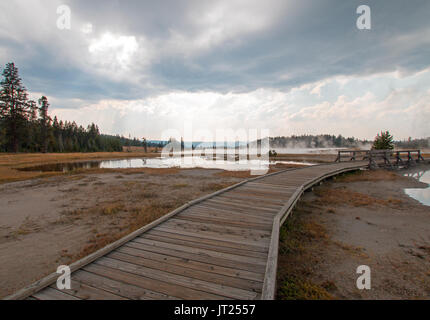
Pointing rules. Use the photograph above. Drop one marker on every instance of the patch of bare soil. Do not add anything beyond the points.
(52, 221)
(358, 219)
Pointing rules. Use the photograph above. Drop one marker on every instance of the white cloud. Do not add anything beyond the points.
(113, 51)
(404, 110)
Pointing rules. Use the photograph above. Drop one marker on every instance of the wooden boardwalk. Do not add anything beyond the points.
(222, 246)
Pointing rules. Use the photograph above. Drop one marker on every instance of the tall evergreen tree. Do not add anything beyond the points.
(45, 122)
(383, 141)
(14, 108)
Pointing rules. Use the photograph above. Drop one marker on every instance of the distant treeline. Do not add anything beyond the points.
(332, 141)
(25, 125)
(413, 143)
(317, 141)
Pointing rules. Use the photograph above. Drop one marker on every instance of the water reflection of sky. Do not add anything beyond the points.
(192, 162)
(423, 194)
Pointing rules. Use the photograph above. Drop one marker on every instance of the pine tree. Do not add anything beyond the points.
(13, 106)
(45, 123)
(383, 141)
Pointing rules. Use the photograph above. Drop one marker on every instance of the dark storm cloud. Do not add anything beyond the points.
(297, 43)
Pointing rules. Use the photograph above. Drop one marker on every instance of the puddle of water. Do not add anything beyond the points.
(173, 162)
(423, 194)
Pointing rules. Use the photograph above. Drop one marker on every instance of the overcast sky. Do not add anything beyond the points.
(294, 67)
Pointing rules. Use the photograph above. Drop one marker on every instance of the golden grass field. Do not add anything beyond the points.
(9, 162)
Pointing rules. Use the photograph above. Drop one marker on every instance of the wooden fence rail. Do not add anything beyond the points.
(377, 158)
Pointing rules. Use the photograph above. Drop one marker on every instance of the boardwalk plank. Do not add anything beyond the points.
(119, 288)
(201, 252)
(53, 294)
(199, 257)
(216, 236)
(177, 280)
(196, 265)
(195, 244)
(234, 282)
(150, 284)
(86, 292)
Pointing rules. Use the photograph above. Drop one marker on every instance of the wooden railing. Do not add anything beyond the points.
(381, 157)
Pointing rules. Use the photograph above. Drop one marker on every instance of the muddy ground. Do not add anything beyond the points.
(358, 219)
(52, 221)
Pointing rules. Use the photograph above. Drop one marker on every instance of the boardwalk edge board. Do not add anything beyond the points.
(52, 278)
(269, 285)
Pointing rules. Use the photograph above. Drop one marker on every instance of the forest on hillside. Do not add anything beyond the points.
(25, 125)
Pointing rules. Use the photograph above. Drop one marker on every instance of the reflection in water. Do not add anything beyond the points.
(173, 162)
(422, 195)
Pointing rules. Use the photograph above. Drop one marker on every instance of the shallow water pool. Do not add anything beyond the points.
(172, 162)
(422, 194)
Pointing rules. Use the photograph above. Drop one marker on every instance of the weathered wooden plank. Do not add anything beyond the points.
(202, 252)
(218, 208)
(191, 264)
(53, 294)
(87, 292)
(198, 257)
(128, 291)
(194, 244)
(248, 285)
(250, 202)
(219, 243)
(228, 215)
(176, 279)
(254, 241)
(150, 284)
(226, 222)
(242, 207)
(227, 231)
(261, 199)
(208, 226)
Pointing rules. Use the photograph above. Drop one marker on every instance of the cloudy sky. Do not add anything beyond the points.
(294, 67)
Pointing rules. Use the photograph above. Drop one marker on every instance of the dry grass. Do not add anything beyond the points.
(374, 175)
(130, 219)
(179, 186)
(213, 187)
(10, 162)
(234, 174)
(296, 261)
(339, 196)
(302, 246)
(27, 226)
(353, 250)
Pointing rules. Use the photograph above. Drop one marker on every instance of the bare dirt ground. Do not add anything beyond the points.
(359, 219)
(52, 221)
